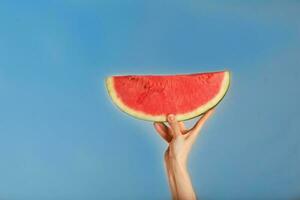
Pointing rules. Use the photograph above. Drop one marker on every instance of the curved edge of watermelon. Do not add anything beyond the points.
(162, 118)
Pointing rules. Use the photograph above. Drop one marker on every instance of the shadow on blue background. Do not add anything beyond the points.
(61, 137)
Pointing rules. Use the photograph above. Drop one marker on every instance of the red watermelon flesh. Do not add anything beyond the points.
(153, 97)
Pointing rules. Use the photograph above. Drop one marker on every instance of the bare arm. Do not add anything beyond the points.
(180, 142)
(183, 185)
(170, 173)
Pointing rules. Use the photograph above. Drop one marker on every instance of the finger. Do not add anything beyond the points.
(182, 126)
(174, 125)
(197, 127)
(163, 131)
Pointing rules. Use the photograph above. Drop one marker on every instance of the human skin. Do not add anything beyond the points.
(180, 141)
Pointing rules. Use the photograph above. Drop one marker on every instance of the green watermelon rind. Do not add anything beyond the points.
(162, 118)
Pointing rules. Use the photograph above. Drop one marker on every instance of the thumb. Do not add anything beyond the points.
(174, 125)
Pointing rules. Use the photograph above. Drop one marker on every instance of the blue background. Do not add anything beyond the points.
(62, 138)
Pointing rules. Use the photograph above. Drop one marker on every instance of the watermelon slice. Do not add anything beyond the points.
(153, 97)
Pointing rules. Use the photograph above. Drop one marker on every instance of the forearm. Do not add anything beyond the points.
(170, 177)
(182, 182)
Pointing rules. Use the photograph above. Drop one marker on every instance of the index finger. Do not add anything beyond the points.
(174, 125)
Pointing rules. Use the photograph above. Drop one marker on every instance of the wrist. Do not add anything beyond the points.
(171, 159)
(176, 160)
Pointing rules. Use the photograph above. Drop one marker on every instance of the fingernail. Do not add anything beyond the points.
(171, 117)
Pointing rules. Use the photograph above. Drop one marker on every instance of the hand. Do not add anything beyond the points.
(180, 142)
(180, 138)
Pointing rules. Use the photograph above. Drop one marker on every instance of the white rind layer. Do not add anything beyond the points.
(180, 117)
